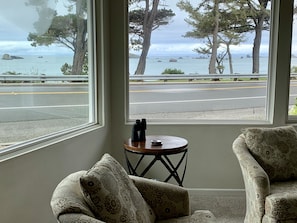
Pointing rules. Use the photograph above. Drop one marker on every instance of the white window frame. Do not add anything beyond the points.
(290, 118)
(278, 74)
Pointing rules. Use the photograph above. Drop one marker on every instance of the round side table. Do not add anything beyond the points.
(168, 145)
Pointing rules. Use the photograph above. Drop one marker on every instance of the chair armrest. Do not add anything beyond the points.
(68, 197)
(77, 218)
(166, 200)
(257, 184)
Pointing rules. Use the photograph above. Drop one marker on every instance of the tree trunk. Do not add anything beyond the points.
(147, 32)
(80, 45)
(259, 21)
(145, 48)
(214, 50)
(230, 58)
(256, 47)
(78, 61)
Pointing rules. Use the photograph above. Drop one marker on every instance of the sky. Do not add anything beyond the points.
(16, 23)
(169, 39)
(14, 29)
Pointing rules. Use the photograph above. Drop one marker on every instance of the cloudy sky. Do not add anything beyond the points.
(169, 38)
(14, 29)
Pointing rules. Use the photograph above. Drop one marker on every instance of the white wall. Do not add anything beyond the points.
(28, 181)
(211, 162)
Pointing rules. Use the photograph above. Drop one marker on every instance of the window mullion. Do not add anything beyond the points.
(283, 33)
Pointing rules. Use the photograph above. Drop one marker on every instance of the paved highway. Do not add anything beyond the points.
(18, 103)
(196, 97)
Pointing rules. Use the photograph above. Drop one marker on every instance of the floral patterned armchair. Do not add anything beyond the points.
(105, 193)
(268, 161)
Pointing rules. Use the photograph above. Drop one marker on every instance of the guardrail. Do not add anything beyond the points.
(191, 77)
(42, 78)
(4, 78)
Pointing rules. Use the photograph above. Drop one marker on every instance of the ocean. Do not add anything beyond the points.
(195, 65)
(35, 65)
(51, 65)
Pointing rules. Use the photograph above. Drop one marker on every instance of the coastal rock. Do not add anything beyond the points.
(16, 57)
(6, 57)
(173, 60)
(10, 57)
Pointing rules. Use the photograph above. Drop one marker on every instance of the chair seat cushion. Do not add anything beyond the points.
(201, 216)
(167, 200)
(282, 203)
(112, 195)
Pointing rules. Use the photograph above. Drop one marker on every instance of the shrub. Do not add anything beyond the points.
(172, 71)
(293, 110)
(294, 69)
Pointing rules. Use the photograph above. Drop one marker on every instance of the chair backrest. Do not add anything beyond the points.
(244, 157)
(275, 149)
(104, 192)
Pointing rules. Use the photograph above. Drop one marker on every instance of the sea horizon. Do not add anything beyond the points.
(195, 64)
(155, 64)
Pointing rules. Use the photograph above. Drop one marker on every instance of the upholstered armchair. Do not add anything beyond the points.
(268, 161)
(105, 193)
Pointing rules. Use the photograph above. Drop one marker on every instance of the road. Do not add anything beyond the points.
(18, 103)
(28, 102)
(196, 97)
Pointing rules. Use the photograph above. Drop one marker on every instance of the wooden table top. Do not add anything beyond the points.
(170, 145)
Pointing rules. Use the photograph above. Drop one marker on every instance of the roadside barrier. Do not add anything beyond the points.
(6, 78)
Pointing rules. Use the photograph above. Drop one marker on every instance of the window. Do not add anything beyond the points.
(293, 77)
(46, 73)
(195, 60)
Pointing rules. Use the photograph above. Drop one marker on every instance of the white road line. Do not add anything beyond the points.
(48, 106)
(199, 100)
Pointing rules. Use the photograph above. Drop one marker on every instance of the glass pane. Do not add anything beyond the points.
(43, 68)
(293, 84)
(198, 59)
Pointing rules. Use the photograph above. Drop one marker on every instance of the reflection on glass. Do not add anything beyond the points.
(43, 68)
